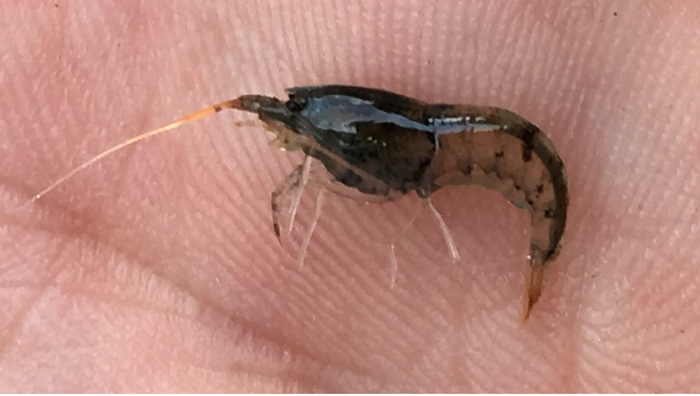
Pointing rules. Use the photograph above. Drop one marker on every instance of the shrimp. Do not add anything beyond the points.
(385, 145)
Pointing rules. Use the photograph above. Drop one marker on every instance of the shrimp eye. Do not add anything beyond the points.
(295, 105)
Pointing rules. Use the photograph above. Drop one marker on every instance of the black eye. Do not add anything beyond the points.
(295, 105)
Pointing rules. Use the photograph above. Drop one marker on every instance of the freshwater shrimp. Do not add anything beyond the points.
(387, 145)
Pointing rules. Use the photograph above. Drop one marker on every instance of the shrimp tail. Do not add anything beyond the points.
(533, 283)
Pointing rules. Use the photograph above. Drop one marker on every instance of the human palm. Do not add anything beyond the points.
(157, 270)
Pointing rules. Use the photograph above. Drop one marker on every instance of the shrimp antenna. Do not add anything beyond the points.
(197, 115)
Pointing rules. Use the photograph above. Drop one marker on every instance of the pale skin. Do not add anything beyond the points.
(157, 269)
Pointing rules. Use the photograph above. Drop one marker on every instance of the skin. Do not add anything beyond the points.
(157, 270)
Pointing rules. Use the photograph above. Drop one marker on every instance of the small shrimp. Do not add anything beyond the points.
(386, 145)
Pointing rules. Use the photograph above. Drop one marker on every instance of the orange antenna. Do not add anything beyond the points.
(197, 115)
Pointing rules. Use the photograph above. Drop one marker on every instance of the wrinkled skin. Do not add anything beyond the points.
(157, 269)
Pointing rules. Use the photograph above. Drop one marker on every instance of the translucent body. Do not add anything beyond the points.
(387, 145)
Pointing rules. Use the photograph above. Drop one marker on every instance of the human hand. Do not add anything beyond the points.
(157, 270)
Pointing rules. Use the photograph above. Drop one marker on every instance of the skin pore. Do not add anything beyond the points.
(157, 268)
